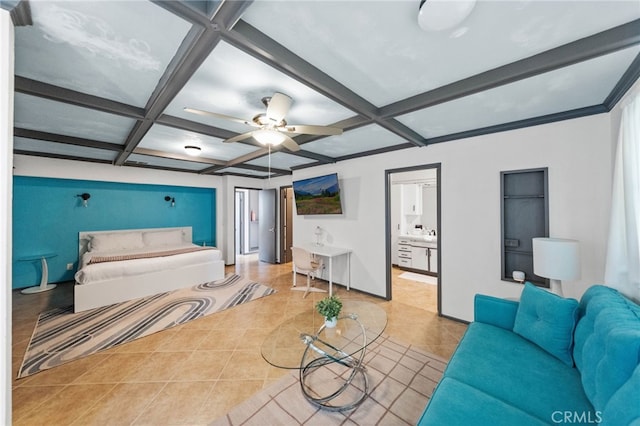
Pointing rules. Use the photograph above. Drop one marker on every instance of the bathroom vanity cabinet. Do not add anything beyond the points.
(418, 254)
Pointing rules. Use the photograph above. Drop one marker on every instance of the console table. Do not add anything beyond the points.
(330, 360)
(44, 286)
(331, 252)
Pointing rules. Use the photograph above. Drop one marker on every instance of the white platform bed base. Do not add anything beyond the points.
(108, 292)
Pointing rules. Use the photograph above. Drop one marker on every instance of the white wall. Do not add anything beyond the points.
(6, 159)
(578, 155)
(361, 225)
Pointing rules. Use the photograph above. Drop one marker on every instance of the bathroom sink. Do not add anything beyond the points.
(427, 238)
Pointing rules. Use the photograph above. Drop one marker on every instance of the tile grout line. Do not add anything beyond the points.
(385, 376)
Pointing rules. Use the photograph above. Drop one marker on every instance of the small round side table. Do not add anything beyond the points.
(44, 286)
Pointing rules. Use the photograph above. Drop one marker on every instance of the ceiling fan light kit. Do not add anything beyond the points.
(269, 137)
(439, 15)
(273, 129)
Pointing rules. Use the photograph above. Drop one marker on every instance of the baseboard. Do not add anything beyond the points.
(454, 319)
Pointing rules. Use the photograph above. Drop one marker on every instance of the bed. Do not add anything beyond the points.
(115, 266)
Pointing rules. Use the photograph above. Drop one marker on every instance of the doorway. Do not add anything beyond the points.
(246, 236)
(413, 236)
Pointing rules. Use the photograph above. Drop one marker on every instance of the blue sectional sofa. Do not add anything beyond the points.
(544, 360)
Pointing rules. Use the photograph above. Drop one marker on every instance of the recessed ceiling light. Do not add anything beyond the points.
(192, 150)
(438, 15)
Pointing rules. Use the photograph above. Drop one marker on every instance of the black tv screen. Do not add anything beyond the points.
(318, 195)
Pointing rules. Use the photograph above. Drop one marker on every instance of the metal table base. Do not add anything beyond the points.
(332, 358)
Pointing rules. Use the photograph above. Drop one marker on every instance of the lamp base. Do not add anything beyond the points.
(556, 287)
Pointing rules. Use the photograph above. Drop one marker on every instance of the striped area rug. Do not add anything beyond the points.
(61, 336)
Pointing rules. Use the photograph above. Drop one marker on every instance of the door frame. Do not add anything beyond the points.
(282, 223)
(387, 224)
(239, 235)
(235, 217)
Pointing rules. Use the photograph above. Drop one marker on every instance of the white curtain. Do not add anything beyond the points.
(623, 252)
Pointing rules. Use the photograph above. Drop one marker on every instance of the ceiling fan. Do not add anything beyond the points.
(272, 128)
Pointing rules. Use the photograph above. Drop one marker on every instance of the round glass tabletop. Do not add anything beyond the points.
(285, 345)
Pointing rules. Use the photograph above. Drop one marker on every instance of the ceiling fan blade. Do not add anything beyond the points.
(239, 137)
(312, 130)
(290, 144)
(278, 107)
(223, 116)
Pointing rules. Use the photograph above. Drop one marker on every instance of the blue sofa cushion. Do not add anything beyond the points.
(623, 408)
(547, 320)
(455, 403)
(495, 311)
(518, 372)
(607, 346)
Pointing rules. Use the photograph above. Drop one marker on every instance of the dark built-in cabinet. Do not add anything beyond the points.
(524, 215)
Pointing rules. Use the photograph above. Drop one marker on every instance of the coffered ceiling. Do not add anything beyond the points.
(108, 81)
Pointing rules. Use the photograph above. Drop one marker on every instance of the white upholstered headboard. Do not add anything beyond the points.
(85, 237)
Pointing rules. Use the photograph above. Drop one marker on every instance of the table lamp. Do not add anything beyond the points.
(557, 259)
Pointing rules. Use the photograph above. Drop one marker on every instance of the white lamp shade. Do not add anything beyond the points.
(268, 137)
(556, 258)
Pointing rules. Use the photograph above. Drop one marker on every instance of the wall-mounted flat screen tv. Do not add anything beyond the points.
(318, 195)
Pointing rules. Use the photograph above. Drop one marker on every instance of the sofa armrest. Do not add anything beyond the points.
(495, 311)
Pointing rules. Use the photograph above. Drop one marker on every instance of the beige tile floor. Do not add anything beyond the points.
(194, 373)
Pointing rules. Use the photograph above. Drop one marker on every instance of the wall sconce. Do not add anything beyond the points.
(172, 199)
(85, 198)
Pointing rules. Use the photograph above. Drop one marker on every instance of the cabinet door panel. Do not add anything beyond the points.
(419, 258)
(433, 260)
(411, 199)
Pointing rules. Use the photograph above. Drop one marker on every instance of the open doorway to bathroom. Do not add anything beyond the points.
(413, 236)
(247, 242)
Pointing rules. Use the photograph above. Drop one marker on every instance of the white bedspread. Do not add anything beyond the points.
(112, 270)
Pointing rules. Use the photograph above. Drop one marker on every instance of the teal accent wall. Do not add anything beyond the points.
(47, 217)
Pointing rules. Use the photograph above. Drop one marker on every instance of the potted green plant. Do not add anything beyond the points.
(329, 308)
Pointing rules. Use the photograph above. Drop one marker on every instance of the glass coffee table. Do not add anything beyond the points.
(329, 360)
